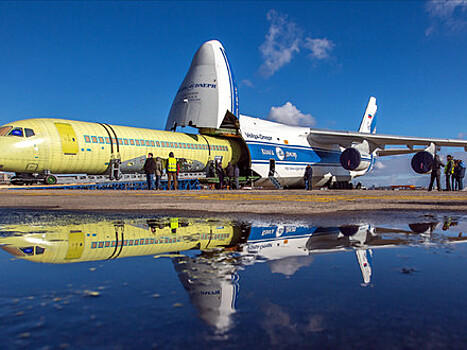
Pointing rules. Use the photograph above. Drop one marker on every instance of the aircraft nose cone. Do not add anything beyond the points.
(205, 54)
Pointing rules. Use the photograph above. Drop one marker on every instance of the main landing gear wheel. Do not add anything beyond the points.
(341, 185)
(50, 180)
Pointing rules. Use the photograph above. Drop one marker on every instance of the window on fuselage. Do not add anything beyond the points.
(29, 132)
(16, 132)
(4, 130)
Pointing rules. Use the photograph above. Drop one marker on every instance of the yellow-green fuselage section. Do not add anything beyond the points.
(66, 146)
(105, 240)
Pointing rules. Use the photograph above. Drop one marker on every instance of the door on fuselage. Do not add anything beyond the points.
(67, 138)
(272, 167)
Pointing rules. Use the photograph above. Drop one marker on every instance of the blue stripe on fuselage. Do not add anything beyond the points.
(267, 233)
(293, 154)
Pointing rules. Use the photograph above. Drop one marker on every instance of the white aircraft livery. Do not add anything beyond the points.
(275, 154)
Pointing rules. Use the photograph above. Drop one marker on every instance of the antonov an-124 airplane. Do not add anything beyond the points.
(36, 149)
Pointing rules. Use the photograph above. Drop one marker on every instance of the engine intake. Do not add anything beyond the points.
(421, 162)
(350, 159)
(349, 230)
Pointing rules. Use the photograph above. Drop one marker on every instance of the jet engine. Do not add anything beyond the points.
(349, 230)
(351, 159)
(421, 162)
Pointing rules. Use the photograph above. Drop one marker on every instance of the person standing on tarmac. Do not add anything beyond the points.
(230, 173)
(458, 176)
(149, 169)
(236, 175)
(435, 173)
(308, 177)
(220, 174)
(158, 173)
(461, 175)
(448, 171)
(172, 171)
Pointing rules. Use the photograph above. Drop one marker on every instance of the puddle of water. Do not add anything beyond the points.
(122, 281)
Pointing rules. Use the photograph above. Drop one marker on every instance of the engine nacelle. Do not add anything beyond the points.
(349, 230)
(351, 159)
(421, 162)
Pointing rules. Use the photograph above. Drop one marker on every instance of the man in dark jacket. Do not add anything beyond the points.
(458, 176)
(460, 179)
(435, 173)
(158, 173)
(230, 173)
(236, 176)
(308, 177)
(149, 169)
(220, 174)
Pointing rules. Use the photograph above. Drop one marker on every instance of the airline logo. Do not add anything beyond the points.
(190, 86)
(280, 153)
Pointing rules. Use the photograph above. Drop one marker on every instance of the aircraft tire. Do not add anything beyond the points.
(50, 180)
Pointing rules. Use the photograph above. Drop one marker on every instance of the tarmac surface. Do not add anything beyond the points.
(241, 203)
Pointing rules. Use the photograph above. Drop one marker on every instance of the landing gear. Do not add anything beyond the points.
(21, 179)
(50, 180)
(115, 172)
(341, 185)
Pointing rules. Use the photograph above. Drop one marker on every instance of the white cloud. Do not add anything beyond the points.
(320, 48)
(379, 165)
(288, 266)
(247, 82)
(284, 40)
(451, 14)
(291, 115)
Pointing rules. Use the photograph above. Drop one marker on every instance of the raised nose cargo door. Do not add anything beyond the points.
(68, 138)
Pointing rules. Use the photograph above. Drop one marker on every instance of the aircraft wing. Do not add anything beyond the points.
(379, 142)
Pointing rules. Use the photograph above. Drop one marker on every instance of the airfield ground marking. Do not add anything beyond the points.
(252, 196)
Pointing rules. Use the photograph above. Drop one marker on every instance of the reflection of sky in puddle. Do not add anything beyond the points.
(375, 283)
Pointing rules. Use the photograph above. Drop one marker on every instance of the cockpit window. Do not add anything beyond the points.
(16, 132)
(27, 250)
(29, 132)
(4, 130)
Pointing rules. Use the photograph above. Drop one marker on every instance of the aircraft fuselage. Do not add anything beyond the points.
(64, 146)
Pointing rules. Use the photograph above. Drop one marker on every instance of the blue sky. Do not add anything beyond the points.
(315, 63)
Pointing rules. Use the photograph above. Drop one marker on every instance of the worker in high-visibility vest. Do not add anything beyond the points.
(448, 171)
(173, 224)
(172, 171)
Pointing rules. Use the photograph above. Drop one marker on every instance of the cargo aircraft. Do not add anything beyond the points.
(277, 154)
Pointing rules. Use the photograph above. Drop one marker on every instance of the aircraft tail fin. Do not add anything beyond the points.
(207, 92)
(368, 123)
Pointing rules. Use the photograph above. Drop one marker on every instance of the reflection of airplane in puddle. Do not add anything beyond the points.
(107, 240)
(211, 278)
(283, 243)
